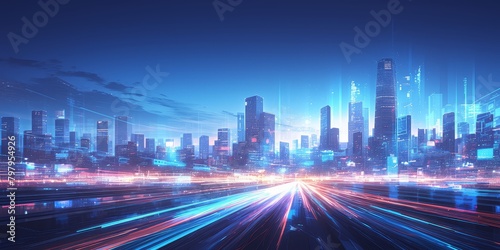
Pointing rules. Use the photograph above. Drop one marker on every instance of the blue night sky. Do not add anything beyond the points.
(285, 51)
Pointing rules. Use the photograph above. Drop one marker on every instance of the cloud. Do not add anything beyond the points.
(116, 86)
(93, 77)
(52, 64)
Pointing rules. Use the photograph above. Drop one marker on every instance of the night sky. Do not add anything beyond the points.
(285, 51)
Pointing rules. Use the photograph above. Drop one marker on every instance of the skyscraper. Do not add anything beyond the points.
(204, 147)
(253, 109)
(138, 139)
(222, 147)
(325, 124)
(404, 138)
(304, 141)
(267, 135)
(334, 139)
(102, 137)
(385, 109)
(241, 127)
(284, 152)
(355, 123)
(366, 126)
(10, 133)
(39, 122)
(122, 130)
(484, 136)
(187, 140)
(449, 132)
(150, 146)
(62, 129)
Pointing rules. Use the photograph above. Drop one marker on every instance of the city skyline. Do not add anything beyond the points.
(305, 80)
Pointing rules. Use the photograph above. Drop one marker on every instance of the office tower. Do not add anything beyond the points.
(122, 130)
(304, 141)
(449, 132)
(187, 140)
(132, 149)
(72, 139)
(404, 138)
(325, 125)
(10, 137)
(357, 142)
(29, 145)
(150, 146)
(138, 139)
(463, 129)
(267, 135)
(366, 126)
(61, 129)
(102, 137)
(241, 127)
(284, 152)
(355, 123)
(204, 147)
(484, 136)
(222, 146)
(314, 140)
(334, 140)
(39, 122)
(254, 107)
(85, 143)
(434, 113)
(422, 136)
(385, 109)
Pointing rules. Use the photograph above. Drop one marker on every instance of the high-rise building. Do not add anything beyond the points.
(385, 109)
(150, 146)
(366, 126)
(102, 137)
(304, 141)
(204, 147)
(122, 130)
(484, 136)
(314, 140)
(284, 152)
(357, 142)
(334, 139)
(404, 138)
(10, 135)
(325, 125)
(241, 127)
(267, 135)
(187, 140)
(463, 129)
(422, 136)
(355, 123)
(222, 146)
(449, 132)
(62, 129)
(39, 122)
(72, 139)
(29, 145)
(138, 139)
(254, 107)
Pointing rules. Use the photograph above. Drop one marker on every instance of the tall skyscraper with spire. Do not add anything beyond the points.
(385, 109)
